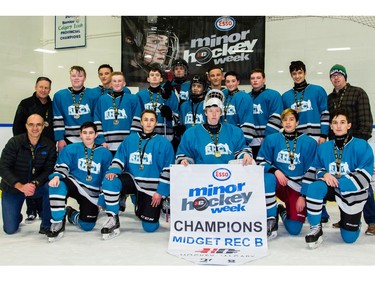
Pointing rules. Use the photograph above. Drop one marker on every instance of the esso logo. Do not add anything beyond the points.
(221, 174)
(225, 23)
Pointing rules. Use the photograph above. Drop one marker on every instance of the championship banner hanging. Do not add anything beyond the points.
(218, 214)
(232, 43)
(70, 31)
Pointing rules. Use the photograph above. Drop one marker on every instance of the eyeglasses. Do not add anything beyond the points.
(31, 125)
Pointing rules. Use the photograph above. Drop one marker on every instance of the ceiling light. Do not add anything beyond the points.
(338, 49)
(45, 51)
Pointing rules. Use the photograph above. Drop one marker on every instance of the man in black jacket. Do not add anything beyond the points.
(40, 103)
(25, 164)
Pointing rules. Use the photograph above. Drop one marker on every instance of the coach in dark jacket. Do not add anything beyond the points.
(25, 163)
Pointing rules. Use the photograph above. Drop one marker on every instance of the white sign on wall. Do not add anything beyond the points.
(218, 214)
(70, 32)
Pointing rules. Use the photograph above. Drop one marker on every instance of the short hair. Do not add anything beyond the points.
(43, 78)
(232, 73)
(297, 65)
(114, 73)
(214, 67)
(78, 68)
(88, 124)
(258, 70)
(341, 111)
(155, 68)
(149, 111)
(289, 111)
(105, 66)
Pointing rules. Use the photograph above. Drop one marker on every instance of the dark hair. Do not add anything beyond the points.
(149, 111)
(214, 67)
(297, 65)
(88, 124)
(289, 111)
(155, 68)
(258, 70)
(42, 78)
(232, 73)
(341, 111)
(105, 66)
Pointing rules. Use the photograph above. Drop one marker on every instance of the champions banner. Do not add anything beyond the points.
(233, 43)
(218, 214)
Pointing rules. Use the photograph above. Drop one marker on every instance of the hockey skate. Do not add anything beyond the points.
(56, 231)
(315, 237)
(111, 227)
(72, 215)
(272, 227)
(165, 209)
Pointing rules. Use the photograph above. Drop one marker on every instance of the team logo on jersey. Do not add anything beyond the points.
(82, 165)
(135, 158)
(257, 109)
(344, 168)
(83, 109)
(184, 95)
(225, 23)
(190, 120)
(150, 106)
(305, 106)
(283, 157)
(223, 148)
(231, 110)
(110, 114)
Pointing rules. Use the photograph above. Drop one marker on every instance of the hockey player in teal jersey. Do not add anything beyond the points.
(72, 107)
(79, 172)
(286, 156)
(191, 111)
(180, 82)
(116, 114)
(341, 172)
(310, 101)
(141, 166)
(213, 142)
(267, 108)
(162, 100)
(238, 106)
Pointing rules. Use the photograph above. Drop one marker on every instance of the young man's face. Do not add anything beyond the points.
(339, 125)
(213, 114)
(88, 136)
(289, 123)
(105, 76)
(179, 71)
(148, 122)
(231, 82)
(257, 81)
(196, 89)
(298, 76)
(118, 83)
(77, 78)
(154, 78)
(215, 76)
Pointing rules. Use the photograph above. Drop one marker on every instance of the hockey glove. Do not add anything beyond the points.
(167, 89)
(166, 112)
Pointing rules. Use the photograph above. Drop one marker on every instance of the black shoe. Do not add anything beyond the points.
(71, 214)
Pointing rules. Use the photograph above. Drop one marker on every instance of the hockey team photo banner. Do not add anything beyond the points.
(218, 214)
(233, 43)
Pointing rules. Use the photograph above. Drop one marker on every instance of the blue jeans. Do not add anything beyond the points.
(369, 208)
(11, 204)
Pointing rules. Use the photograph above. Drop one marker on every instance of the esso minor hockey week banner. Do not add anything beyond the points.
(234, 43)
(218, 214)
